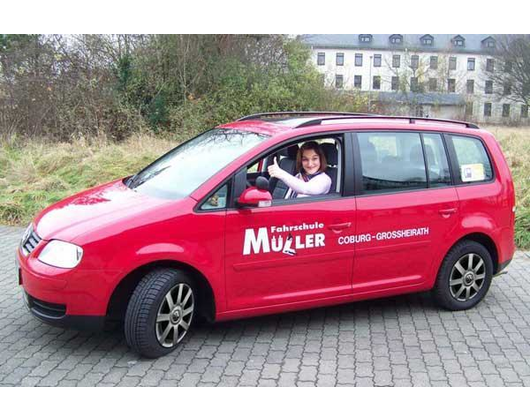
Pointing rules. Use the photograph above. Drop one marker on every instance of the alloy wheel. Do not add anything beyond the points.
(467, 277)
(174, 315)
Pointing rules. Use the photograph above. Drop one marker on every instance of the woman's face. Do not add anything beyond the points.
(310, 161)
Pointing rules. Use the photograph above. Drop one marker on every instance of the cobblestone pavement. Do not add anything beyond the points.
(402, 341)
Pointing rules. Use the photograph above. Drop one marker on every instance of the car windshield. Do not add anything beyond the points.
(183, 169)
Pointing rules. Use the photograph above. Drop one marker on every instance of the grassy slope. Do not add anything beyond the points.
(37, 174)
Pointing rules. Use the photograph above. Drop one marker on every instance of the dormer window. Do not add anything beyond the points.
(488, 42)
(396, 39)
(365, 38)
(459, 41)
(427, 40)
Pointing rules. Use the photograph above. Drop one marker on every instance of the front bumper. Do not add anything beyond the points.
(69, 298)
(55, 314)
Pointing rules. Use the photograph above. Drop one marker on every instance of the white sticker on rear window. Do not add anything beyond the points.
(472, 172)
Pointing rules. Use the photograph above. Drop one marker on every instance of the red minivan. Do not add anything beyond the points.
(411, 204)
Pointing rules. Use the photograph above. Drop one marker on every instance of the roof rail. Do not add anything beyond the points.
(412, 120)
(299, 113)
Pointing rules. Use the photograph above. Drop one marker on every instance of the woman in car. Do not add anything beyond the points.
(311, 178)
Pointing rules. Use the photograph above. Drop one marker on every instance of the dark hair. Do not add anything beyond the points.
(311, 145)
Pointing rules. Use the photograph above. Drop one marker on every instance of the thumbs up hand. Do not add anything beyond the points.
(274, 169)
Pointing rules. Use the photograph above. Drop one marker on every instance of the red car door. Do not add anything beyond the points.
(400, 221)
(289, 252)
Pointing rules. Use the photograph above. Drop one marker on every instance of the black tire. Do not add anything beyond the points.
(448, 292)
(142, 331)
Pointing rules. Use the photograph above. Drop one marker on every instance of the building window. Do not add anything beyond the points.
(488, 87)
(377, 60)
(396, 61)
(377, 83)
(471, 64)
(487, 109)
(452, 63)
(458, 41)
(489, 64)
(414, 87)
(524, 111)
(414, 61)
(507, 90)
(451, 85)
(339, 81)
(434, 62)
(365, 38)
(470, 87)
(340, 59)
(358, 60)
(396, 39)
(357, 82)
(505, 110)
(395, 83)
(468, 109)
(489, 42)
(427, 40)
(433, 84)
(321, 59)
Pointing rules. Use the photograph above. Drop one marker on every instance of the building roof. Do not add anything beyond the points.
(422, 98)
(441, 42)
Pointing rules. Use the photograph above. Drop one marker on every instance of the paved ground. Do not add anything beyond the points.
(400, 341)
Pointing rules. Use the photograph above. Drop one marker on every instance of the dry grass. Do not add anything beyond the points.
(515, 143)
(36, 174)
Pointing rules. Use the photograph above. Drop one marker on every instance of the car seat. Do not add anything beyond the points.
(332, 157)
(287, 162)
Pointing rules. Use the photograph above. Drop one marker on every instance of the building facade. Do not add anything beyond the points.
(444, 76)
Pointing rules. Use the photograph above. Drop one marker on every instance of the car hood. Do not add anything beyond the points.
(109, 204)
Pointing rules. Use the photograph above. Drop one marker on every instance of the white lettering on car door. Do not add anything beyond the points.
(281, 239)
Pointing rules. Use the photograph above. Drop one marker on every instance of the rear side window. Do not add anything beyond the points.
(472, 159)
(391, 161)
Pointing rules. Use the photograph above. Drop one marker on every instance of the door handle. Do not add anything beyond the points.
(447, 212)
(339, 226)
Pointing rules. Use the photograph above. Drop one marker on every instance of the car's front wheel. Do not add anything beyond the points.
(464, 277)
(160, 312)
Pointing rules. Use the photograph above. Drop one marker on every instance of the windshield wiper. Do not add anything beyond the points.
(130, 181)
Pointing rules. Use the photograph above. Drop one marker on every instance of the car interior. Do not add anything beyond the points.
(286, 158)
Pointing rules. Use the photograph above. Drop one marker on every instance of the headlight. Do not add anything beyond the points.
(61, 254)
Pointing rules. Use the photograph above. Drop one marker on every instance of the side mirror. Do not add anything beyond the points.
(258, 196)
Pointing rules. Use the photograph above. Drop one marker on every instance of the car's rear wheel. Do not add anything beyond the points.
(464, 277)
(160, 312)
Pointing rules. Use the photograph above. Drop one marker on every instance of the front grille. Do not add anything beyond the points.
(31, 242)
(46, 309)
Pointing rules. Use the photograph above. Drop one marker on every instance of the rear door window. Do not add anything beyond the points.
(472, 159)
(391, 161)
